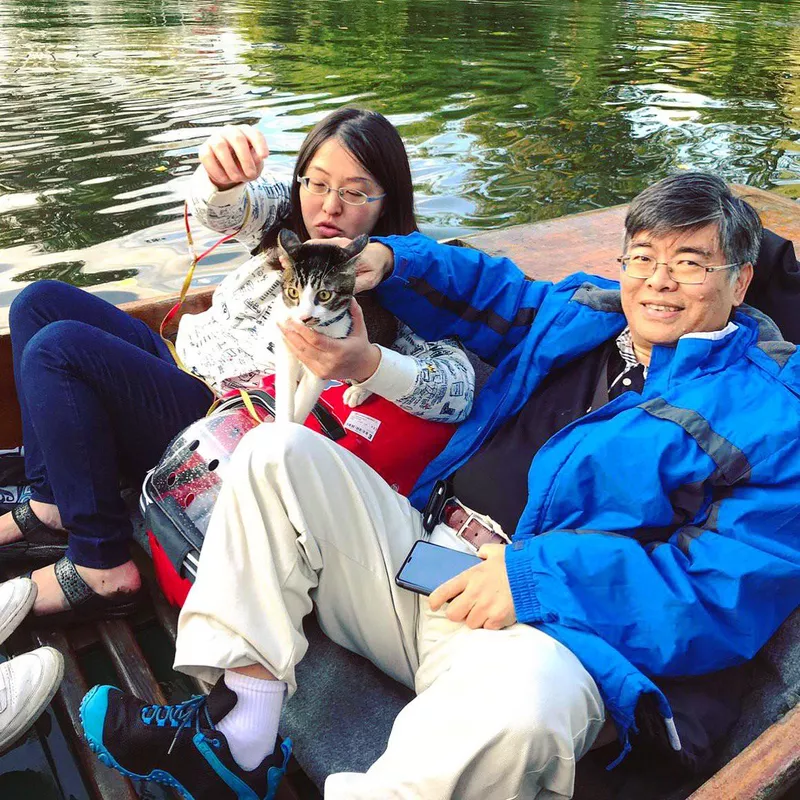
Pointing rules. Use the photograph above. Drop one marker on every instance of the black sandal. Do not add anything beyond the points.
(38, 543)
(85, 604)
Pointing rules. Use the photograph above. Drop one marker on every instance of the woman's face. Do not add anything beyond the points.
(326, 215)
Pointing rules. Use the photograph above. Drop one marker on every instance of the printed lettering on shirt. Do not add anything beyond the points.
(232, 338)
(447, 410)
(457, 389)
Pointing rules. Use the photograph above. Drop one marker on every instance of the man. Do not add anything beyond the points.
(639, 440)
(29, 681)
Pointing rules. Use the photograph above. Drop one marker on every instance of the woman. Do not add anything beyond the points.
(101, 396)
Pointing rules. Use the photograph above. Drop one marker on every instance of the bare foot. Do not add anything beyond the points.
(124, 579)
(45, 512)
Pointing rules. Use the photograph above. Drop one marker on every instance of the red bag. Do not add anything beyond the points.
(179, 494)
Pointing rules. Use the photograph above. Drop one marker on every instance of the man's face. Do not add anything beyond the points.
(659, 310)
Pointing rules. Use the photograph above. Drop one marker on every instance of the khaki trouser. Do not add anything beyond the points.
(301, 521)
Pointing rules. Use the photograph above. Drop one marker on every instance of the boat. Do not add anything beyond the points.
(766, 767)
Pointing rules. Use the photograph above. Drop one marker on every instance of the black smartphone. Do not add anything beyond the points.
(429, 565)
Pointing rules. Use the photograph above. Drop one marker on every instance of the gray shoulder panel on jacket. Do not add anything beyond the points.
(599, 299)
(780, 352)
(768, 331)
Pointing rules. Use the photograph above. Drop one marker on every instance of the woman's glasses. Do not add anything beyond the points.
(353, 197)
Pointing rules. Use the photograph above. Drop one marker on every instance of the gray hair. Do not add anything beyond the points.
(692, 200)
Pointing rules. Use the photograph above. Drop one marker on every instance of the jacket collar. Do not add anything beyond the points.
(694, 354)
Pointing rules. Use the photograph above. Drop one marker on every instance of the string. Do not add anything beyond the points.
(187, 281)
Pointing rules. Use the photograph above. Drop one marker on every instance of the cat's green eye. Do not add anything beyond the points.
(323, 295)
(292, 292)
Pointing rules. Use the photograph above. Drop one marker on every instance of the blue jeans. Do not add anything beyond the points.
(101, 398)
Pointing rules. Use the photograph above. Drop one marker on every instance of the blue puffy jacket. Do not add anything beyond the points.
(661, 536)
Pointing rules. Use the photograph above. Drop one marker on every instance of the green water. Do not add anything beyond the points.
(512, 111)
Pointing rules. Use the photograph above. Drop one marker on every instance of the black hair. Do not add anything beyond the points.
(375, 143)
(691, 200)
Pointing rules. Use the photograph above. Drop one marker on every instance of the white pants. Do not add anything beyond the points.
(499, 714)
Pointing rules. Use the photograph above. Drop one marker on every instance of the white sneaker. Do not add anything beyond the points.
(16, 600)
(27, 685)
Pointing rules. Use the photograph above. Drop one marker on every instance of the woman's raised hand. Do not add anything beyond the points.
(235, 154)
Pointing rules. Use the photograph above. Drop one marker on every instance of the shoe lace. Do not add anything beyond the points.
(181, 716)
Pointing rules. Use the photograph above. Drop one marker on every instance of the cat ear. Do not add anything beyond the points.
(356, 247)
(289, 244)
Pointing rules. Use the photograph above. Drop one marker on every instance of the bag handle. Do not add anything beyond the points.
(328, 421)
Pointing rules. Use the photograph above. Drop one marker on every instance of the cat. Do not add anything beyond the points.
(317, 286)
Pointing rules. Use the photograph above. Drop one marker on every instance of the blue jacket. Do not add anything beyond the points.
(661, 536)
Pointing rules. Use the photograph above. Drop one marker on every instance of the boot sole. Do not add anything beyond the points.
(96, 745)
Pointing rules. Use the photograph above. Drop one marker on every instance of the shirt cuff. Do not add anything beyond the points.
(208, 191)
(395, 377)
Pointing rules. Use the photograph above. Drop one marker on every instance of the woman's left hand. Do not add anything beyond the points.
(354, 358)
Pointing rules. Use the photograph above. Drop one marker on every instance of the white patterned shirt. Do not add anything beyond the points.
(229, 345)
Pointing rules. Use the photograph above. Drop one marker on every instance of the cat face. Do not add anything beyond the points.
(318, 284)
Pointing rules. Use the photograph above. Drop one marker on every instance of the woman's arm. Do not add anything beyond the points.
(230, 174)
(432, 380)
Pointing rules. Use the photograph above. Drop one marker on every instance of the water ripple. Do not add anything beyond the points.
(511, 111)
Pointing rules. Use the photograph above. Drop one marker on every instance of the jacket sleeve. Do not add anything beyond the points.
(441, 290)
(224, 212)
(431, 380)
(707, 599)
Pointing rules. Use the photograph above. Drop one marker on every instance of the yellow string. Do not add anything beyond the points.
(187, 282)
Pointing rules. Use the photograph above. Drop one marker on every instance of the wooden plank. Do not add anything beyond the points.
(765, 770)
(167, 617)
(129, 662)
(10, 424)
(101, 781)
(152, 311)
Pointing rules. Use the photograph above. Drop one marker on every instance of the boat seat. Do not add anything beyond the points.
(343, 710)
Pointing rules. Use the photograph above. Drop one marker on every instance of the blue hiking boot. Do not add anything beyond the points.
(177, 745)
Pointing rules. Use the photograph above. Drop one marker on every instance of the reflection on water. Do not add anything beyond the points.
(512, 111)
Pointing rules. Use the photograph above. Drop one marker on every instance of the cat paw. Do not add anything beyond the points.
(355, 395)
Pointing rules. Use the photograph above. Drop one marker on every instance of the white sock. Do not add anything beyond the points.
(251, 728)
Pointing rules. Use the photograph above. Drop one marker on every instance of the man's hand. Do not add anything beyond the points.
(353, 358)
(480, 596)
(374, 263)
(233, 155)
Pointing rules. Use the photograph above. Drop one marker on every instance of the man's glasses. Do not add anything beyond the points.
(353, 197)
(681, 270)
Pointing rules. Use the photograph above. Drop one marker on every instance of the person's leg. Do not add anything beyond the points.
(103, 407)
(33, 309)
(499, 715)
(300, 519)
